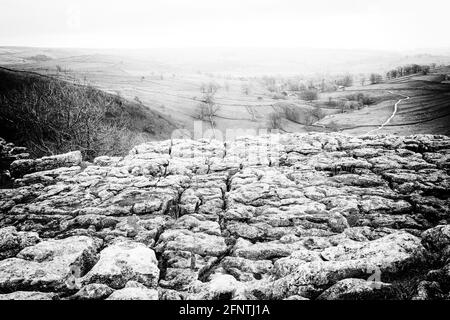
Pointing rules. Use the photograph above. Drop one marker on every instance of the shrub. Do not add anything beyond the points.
(361, 98)
(293, 85)
(375, 78)
(317, 113)
(345, 81)
(272, 88)
(314, 115)
(333, 126)
(309, 95)
(331, 102)
(270, 83)
(279, 96)
(275, 120)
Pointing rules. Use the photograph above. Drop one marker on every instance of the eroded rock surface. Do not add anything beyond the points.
(355, 288)
(8, 154)
(122, 262)
(48, 265)
(290, 216)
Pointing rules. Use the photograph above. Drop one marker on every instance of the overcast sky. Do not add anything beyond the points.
(348, 24)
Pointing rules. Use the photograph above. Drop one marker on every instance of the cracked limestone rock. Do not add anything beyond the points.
(287, 216)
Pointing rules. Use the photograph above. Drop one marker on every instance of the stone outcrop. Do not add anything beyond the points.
(26, 166)
(12, 241)
(134, 291)
(292, 216)
(122, 262)
(49, 265)
(28, 295)
(8, 154)
(354, 289)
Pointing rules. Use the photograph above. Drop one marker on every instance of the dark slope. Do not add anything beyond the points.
(50, 116)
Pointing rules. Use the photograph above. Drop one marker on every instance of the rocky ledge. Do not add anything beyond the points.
(294, 216)
(8, 154)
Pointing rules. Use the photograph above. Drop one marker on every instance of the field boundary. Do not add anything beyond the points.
(393, 113)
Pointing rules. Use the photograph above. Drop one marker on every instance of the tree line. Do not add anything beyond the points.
(408, 70)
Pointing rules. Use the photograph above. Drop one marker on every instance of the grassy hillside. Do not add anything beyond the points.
(426, 112)
(51, 116)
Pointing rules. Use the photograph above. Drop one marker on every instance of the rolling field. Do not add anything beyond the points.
(426, 112)
(176, 94)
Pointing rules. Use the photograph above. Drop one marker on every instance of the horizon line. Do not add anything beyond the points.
(230, 47)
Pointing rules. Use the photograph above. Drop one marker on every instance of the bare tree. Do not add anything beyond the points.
(209, 88)
(345, 81)
(375, 78)
(207, 109)
(246, 89)
(57, 117)
(275, 120)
